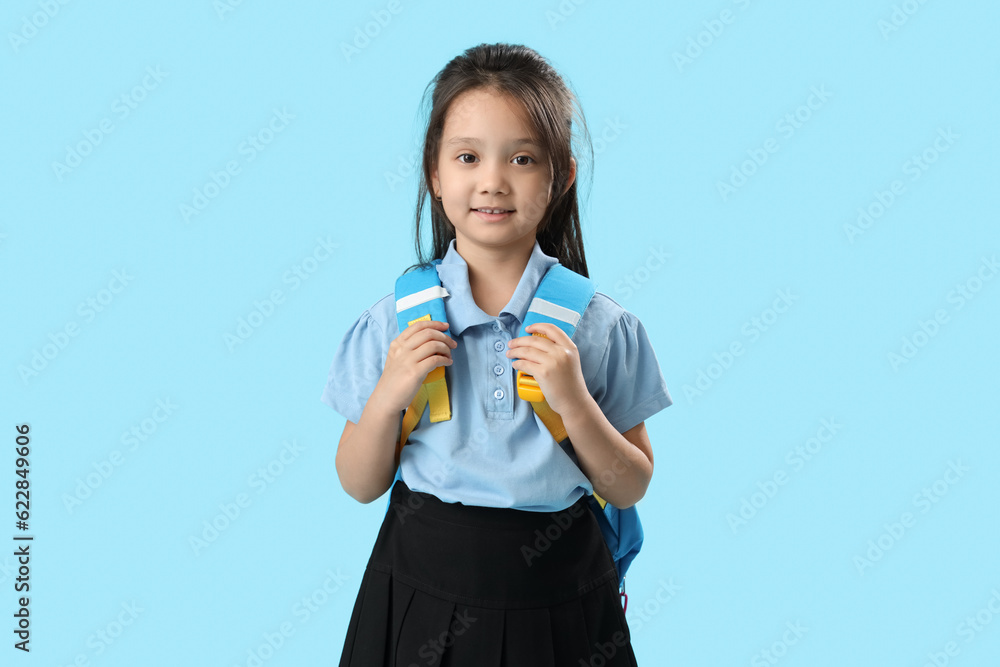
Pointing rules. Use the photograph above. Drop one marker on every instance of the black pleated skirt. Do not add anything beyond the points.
(453, 585)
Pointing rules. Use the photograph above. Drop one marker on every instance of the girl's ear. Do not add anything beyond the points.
(435, 183)
(572, 174)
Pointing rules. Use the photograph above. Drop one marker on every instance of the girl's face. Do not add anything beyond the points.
(489, 158)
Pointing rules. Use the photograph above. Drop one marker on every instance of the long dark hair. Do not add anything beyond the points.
(522, 74)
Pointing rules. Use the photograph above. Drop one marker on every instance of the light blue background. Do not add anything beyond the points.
(701, 592)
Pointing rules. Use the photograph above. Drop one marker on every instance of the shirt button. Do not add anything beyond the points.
(498, 346)
(498, 369)
(496, 326)
(498, 394)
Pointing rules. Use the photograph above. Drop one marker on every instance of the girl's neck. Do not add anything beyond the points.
(494, 275)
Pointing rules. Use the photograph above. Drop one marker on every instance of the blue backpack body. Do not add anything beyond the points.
(561, 298)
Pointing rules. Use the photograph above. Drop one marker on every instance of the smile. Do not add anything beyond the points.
(492, 214)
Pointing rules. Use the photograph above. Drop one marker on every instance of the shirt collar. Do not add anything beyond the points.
(461, 307)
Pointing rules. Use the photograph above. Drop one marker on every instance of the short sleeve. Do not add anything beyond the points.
(357, 367)
(628, 384)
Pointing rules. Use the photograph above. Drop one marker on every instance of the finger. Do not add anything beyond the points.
(431, 348)
(423, 325)
(418, 337)
(532, 350)
(527, 366)
(537, 342)
(549, 330)
(430, 363)
(533, 354)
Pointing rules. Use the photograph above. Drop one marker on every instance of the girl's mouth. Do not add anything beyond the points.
(492, 214)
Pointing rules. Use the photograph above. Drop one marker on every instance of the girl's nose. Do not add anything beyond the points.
(493, 177)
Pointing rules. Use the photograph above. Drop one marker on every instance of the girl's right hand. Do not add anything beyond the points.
(419, 349)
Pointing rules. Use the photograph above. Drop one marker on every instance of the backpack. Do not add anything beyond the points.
(561, 298)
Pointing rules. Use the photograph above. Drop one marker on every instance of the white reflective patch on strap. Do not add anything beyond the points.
(555, 311)
(423, 296)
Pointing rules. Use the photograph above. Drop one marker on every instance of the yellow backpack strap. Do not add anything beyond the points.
(420, 296)
(553, 422)
(560, 299)
(433, 392)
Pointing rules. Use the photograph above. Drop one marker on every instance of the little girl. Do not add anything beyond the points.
(488, 554)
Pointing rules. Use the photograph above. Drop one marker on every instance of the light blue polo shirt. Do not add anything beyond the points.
(494, 451)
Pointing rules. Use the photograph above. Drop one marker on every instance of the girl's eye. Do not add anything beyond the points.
(529, 159)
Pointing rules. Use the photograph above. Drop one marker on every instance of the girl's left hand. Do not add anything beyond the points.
(554, 361)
